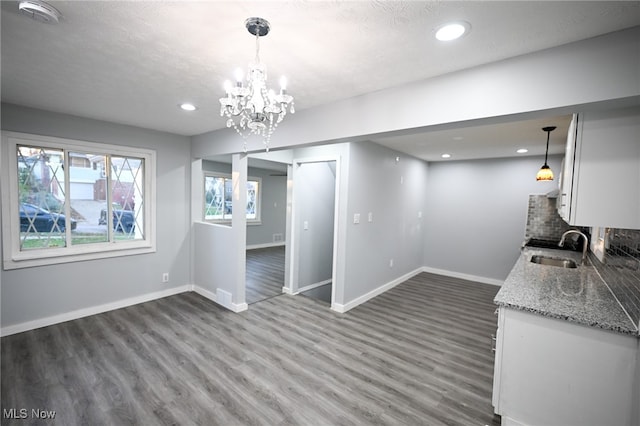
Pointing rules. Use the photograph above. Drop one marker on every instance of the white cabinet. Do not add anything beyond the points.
(553, 372)
(600, 180)
(565, 178)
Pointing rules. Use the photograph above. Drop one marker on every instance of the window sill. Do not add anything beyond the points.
(228, 222)
(33, 259)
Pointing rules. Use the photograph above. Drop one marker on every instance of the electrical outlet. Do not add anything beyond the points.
(356, 218)
(165, 277)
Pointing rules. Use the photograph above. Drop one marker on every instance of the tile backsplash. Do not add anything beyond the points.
(543, 220)
(620, 267)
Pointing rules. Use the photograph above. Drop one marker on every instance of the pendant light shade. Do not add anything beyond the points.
(545, 172)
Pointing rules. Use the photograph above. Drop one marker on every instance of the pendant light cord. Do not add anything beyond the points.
(546, 153)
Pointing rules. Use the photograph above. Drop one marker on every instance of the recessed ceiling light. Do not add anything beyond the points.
(522, 150)
(188, 107)
(446, 155)
(40, 11)
(452, 30)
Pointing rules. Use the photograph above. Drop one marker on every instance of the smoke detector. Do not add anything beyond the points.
(40, 11)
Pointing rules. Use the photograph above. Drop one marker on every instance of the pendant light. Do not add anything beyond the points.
(545, 172)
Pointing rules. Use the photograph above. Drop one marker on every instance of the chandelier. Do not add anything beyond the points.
(250, 108)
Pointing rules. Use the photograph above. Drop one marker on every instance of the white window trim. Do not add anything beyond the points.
(14, 258)
(256, 221)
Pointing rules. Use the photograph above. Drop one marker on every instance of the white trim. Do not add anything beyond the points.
(226, 176)
(314, 285)
(373, 293)
(239, 307)
(14, 258)
(265, 245)
(508, 421)
(85, 312)
(291, 275)
(460, 275)
(234, 307)
(205, 293)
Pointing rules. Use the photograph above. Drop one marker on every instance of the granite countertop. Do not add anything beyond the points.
(577, 295)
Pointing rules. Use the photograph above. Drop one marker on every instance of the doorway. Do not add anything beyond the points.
(265, 238)
(313, 228)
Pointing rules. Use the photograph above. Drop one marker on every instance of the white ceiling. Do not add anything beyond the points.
(134, 62)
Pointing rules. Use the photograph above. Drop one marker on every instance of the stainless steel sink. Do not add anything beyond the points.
(553, 261)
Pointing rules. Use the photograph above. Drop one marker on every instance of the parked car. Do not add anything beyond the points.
(37, 219)
(123, 220)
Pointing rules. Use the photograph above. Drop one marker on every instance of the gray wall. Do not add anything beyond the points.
(393, 192)
(476, 213)
(314, 203)
(274, 208)
(34, 293)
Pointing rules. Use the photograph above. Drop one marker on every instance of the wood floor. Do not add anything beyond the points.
(265, 273)
(417, 355)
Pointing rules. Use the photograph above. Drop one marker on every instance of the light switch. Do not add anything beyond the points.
(356, 218)
(305, 225)
(370, 216)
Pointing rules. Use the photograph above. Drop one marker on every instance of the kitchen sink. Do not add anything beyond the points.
(553, 261)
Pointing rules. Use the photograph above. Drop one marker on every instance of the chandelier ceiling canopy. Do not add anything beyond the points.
(250, 107)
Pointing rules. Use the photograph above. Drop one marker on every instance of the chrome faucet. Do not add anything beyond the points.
(585, 242)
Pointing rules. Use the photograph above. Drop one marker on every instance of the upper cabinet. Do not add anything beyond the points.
(600, 179)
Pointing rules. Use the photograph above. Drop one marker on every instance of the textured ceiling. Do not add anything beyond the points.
(134, 62)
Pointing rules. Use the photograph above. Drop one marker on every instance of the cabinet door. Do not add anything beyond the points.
(606, 181)
(566, 172)
(497, 367)
(554, 372)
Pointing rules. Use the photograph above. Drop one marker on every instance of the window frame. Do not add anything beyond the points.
(14, 258)
(256, 221)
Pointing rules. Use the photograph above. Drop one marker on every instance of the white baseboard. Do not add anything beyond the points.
(239, 307)
(507, 421)
(373, 293)
(287, 290)
(265, 245)
(205, 293)
(85, 312)
(462, 276)
(234, 307)
(314, 285)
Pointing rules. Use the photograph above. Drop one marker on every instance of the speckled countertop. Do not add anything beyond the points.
(578, 295)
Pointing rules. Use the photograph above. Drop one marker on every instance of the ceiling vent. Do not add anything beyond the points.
(40, 11)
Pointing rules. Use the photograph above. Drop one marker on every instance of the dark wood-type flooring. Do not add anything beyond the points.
(265, 273)
(419, 354)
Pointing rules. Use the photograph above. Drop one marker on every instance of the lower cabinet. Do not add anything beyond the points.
(553, 372)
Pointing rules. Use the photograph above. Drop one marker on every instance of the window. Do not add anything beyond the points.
(218, 198)
(69, 200)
